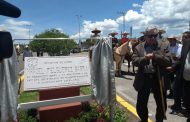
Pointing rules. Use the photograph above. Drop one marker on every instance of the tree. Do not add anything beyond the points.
(87, 43)
(53, 47)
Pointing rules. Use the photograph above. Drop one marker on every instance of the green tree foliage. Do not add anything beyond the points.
(87, 43)
(53, 47)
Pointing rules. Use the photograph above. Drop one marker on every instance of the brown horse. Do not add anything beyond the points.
(128, 56)
(119, 55)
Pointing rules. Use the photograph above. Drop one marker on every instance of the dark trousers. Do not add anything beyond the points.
(187, 95)
(150, 84)
(178, 90)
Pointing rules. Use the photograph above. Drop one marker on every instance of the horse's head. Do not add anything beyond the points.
(123, 49)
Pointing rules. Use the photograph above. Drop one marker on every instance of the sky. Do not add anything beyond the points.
(105, 15)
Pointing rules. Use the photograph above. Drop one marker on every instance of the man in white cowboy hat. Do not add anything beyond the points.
(175, 50)
(151, 61)
(183, 79)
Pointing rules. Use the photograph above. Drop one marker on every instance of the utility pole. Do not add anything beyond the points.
(131, 32)
(79, 19)
(189, 25)
(123, 14)
(29, 27)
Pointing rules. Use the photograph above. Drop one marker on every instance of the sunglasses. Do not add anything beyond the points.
(152, 36)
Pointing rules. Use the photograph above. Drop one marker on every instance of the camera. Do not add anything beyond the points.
(6, 45)
(6, 42)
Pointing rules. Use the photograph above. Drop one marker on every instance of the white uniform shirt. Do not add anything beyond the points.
(176, 50)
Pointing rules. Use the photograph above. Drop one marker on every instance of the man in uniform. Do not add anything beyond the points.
(151, 61)
(183, 65)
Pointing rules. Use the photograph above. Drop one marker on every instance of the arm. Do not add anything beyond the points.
(139, 61)
(176, 65)
(162, 58)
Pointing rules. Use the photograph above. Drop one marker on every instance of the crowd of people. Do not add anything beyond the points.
(163, 65)
(163, 69)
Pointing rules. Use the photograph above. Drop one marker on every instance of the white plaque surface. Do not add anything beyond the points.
(55, 72)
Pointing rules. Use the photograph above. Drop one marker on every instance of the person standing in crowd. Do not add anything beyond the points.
(124, 38)
(18, 51)
(151, 62)
(27, 53)
(93, 40)
(160, 35)
(175, 50)
(114, 39)
(183, 65)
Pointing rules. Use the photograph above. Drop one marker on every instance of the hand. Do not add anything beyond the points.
(175, 58)
(149, 56)
(170, 69)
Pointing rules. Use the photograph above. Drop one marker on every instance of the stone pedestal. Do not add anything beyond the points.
(59, 113)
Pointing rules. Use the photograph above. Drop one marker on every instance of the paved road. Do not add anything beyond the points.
(124, 88)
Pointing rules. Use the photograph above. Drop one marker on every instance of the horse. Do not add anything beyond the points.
(128, 56)
(119, 55)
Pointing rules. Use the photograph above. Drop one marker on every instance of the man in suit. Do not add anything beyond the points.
(151, 60)
(184, 66)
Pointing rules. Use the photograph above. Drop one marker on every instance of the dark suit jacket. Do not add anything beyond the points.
(180, 64)
(162, 59)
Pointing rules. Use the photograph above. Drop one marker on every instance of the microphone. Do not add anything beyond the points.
(9, 10)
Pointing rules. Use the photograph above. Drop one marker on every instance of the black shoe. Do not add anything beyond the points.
(170, 95)
(188, 120)
(175, 107)
(185, 113)
(159, 120)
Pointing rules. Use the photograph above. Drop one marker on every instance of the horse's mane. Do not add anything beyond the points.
(123, 49)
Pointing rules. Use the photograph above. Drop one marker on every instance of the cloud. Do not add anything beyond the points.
(135, 5)
(60, 29)
(168, 13)
(18, 29)
(172, 15)
(17, 23)
(106, 26)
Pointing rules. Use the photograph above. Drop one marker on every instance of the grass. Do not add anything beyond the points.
(85, 90)
(33, 96)
(28, 115)
(28, 97)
